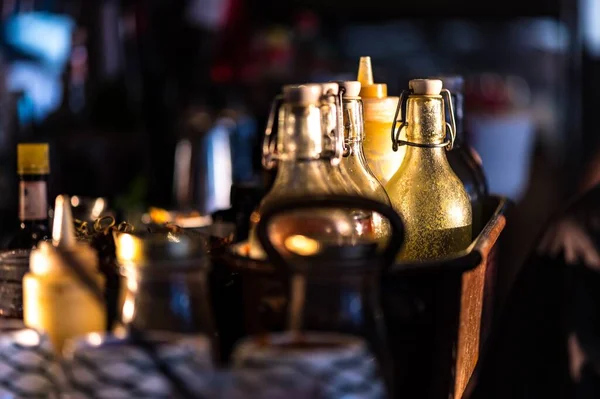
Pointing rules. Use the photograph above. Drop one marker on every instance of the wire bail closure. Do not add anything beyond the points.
(400, 117)
(336, 135)
(269, 148)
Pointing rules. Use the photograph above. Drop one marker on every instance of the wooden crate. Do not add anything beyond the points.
(437, 312)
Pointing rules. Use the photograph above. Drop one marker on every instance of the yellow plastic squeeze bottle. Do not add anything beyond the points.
(379, 110)
(54, 300)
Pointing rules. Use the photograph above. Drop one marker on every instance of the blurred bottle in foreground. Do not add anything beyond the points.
(33, 168)
(55, 298)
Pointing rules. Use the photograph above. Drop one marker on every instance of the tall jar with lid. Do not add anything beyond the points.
(166, 282)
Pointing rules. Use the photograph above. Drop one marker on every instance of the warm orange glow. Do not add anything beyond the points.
(302, 245)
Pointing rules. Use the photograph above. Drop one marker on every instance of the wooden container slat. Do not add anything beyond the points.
(472, 326)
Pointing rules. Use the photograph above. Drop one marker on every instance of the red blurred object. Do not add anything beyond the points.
(493, 93)
(307, 24)
(221, 73)
(233, 52)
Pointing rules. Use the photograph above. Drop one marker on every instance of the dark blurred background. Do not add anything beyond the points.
(117, 87)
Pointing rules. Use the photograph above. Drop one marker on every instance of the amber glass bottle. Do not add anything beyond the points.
(425, 191)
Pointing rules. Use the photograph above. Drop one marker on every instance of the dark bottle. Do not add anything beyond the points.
(463, 158)
(33, 167)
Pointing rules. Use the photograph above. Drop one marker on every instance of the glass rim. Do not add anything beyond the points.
(14, 254)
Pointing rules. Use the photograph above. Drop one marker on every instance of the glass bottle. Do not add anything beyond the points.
(368, 224)
(336, 288)
(379, 111)
(330, 296)
(425, 191)
(167, 282)
(461, 158)
(354, 164)
(307, 164)
(33, 167)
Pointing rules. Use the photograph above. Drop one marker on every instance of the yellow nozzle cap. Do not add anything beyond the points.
(33, 159)
(365, 77)
(365, 71)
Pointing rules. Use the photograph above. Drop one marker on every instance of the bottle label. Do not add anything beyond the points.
(33, 203)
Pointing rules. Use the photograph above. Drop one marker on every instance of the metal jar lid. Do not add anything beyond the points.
(164, 249)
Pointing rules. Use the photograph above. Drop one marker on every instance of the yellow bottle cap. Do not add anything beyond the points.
(33, 159)
(365, 77)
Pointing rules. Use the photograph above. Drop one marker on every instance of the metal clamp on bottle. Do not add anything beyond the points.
(269, 148)
(447, 96)
(332, 95)
(345, 146)
(346, 114)
(400, 117)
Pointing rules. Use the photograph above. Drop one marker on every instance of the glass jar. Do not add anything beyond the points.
(335, 288)
(166, 282)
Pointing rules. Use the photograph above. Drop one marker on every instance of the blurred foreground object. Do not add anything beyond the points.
(54, 298)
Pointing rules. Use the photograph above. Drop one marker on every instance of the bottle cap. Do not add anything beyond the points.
(425, 86)
(33, 159)
(173, 250)
(63, 232)
(351, 87)
(305, 94)
(369, 89)
(45, 260)
(330, 88)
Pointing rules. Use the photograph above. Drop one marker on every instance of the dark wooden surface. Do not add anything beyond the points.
(477, 294)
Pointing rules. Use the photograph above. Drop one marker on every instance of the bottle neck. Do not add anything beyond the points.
(353, 121)
(33, 198)
(425, 119)
(300, 135)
